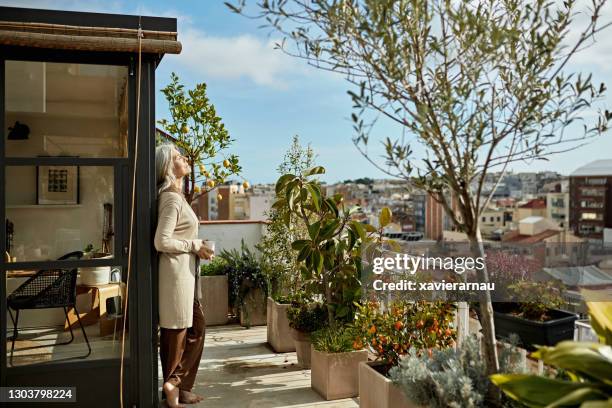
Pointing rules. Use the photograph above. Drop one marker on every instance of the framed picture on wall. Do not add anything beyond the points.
(57, 185)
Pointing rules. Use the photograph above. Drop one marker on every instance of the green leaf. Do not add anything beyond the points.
(359, 229)
(282, 182)
(327, 231)
(303, 254)
(313, 230)
(315, 193)
(385, 217)
(314, 170)
(535, 391)
(587, 359)
(299, 244)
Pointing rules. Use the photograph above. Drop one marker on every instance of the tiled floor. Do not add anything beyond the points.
(239, 370)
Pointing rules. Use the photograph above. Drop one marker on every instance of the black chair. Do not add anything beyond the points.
(47, 289)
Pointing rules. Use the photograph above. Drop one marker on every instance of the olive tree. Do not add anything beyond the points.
(478, 84)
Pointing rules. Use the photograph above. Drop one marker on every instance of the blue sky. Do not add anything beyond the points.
(265, 97)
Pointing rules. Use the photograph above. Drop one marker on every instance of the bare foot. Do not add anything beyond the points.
(189, 397)
(172, 395)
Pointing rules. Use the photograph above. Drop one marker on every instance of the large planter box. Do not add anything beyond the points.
(279, 332)
(253, 310)
(302, 347)
(336, 375)
(214, 290)
(378, 391)
(531, 332)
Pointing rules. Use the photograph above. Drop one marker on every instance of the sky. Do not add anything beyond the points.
(265, 97)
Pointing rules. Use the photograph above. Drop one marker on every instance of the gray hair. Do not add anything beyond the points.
(164, 167)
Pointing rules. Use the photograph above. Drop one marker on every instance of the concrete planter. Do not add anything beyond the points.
(302, 347)
(336, 375)
(279, 332)
(253, 310)
(214, 290)
(378, 391)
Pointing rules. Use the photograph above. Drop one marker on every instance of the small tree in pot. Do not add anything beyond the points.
(330, 257)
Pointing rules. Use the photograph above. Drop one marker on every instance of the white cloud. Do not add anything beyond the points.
(598, 53)
(236, 57)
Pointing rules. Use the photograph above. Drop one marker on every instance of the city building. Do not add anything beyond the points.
(532, 208)
(591, 199)
(557, 208)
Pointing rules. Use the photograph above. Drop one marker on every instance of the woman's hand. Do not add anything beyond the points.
(206, 253)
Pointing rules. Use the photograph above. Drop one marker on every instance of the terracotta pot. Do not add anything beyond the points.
(302, 347)
(253, 310)
(214, 290)
(336, 375)
(279, 333)
(378, 391)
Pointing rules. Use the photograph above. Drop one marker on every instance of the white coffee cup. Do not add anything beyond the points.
(210, 245)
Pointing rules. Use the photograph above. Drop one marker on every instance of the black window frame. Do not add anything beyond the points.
(122, 186)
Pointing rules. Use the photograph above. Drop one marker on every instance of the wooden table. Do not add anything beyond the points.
(97, 314)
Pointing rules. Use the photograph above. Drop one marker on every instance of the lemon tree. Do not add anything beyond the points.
(201, 136)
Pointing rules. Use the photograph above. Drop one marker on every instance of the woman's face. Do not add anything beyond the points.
(181, 165)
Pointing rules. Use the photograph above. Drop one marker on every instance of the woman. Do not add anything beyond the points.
(180, 314)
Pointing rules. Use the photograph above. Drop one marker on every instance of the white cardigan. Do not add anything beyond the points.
(177, 243)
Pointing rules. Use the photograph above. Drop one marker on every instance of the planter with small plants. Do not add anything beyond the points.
(536, 319)
(582, 374)
(305, 317)
(248, 287)
(335, 363)
(214, 286)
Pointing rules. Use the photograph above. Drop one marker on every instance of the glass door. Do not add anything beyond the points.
(64, 153)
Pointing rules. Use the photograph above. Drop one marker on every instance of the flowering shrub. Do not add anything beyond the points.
(390, 334)
(537, 298)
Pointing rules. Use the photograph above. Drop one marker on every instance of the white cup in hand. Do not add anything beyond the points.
(209, 245)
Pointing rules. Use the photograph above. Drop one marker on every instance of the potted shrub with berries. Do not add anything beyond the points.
(390, 334)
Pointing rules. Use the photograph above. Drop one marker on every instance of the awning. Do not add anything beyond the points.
(83, 38)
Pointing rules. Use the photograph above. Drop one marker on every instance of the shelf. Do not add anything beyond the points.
(47, 206)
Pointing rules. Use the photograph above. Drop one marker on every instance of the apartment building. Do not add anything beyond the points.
(591, 199)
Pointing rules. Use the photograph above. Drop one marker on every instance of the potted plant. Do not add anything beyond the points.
(389, 334)
(248, 288)
(214, 286)
(279, 260)
(535, 318)
(443, 377)
(94, 275)
(335, 363)
(305, 317)
(583, 370)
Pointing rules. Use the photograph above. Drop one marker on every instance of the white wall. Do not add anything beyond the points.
(47, 232)
(228, 234)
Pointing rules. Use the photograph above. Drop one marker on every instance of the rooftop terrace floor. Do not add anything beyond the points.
(238, 369)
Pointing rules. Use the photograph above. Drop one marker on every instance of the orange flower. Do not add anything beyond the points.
(357, 345)
(399, 325)
(420, 324)
(372, 329)
(374, 341)
(448, 332)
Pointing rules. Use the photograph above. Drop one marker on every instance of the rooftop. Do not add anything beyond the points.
(536, 203)
(595, 168)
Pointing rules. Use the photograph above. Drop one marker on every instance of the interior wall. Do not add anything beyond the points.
(46, 232)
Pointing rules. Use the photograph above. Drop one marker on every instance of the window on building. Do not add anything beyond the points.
(591, 216)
